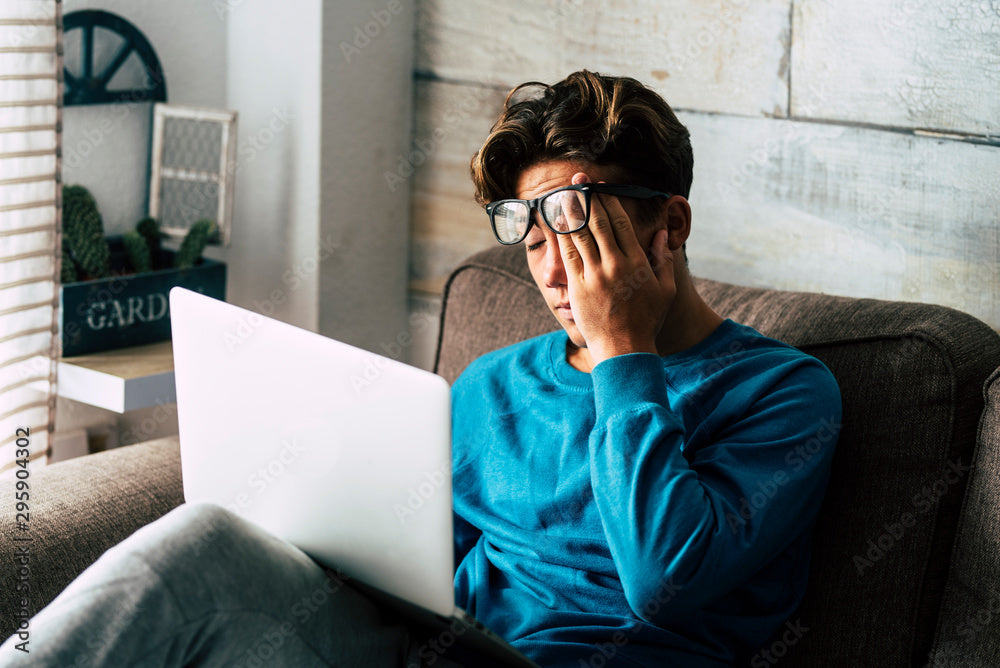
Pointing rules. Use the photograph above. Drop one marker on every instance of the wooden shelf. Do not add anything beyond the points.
(120, 380)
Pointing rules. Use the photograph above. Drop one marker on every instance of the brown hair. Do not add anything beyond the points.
(600, 119)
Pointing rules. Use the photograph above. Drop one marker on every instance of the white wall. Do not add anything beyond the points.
(273, 54)
(367, 119)
(106, 147)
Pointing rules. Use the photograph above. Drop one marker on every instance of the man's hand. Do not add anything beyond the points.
(619, 297)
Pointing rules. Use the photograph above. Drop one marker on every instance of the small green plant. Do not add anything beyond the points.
(68, 272)
(87, 256)
(150, 231)
(194, 243)
(142, 245)
(84, 245)
(137, 251)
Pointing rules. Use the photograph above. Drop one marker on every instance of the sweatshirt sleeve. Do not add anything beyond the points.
(692, 526)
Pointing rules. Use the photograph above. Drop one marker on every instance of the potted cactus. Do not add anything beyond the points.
(114, 289)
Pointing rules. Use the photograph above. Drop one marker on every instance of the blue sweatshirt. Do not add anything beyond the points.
(657, 511)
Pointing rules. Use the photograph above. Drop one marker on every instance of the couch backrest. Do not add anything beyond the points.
(911, 378)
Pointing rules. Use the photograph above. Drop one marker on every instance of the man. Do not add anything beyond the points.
(648, 416)
(625, 487)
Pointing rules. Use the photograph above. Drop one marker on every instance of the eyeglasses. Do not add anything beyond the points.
(563, 210)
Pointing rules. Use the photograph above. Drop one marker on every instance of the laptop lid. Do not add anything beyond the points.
(344, 453)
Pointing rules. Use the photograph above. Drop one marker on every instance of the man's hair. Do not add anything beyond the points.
(615, 121)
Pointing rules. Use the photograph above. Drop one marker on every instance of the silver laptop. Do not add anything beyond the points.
(341, 452)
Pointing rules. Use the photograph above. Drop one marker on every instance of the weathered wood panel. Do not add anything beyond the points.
(451, 122)
(793, 205)
(719, 55)
(846, 210)
(933, 64)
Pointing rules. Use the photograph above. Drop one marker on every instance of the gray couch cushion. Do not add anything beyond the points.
(969, 630)
(81, 507)
(910, 376)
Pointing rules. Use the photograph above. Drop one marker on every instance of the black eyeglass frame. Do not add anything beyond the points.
(588, 189)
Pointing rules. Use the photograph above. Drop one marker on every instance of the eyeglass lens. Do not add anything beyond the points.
(565, 210)
(510, 219)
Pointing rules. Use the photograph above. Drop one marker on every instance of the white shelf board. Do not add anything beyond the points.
(120, 380)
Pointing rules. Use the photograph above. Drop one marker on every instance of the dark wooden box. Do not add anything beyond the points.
(129, 309)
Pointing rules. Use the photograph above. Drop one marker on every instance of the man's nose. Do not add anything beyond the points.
(553, 271)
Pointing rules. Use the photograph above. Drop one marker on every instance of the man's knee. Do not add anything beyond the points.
(205, 515)
(193, 529)
(201, 528)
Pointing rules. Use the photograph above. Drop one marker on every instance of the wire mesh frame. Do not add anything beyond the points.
(213, 188)
(39, 367)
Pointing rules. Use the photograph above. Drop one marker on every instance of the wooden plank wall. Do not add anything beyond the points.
(849, 147)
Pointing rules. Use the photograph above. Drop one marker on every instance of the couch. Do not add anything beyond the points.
(906, 566)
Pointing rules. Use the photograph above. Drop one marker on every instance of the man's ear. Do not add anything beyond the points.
(677, 214)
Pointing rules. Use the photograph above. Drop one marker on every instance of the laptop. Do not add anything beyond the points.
(341, 452)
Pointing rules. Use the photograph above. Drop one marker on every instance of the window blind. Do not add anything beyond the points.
(30, 120)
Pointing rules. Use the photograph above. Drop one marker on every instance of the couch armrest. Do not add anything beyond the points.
(78, 509)
(968, 631)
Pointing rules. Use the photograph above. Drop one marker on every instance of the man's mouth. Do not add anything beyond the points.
(564, 311)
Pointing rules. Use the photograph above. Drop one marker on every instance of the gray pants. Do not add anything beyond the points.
(202, 587)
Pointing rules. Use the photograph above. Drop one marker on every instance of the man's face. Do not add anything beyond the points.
(541, 244)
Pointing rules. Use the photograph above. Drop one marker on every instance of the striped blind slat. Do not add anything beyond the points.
(30, 126)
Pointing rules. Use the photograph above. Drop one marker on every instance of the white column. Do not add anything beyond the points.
(366, 130)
